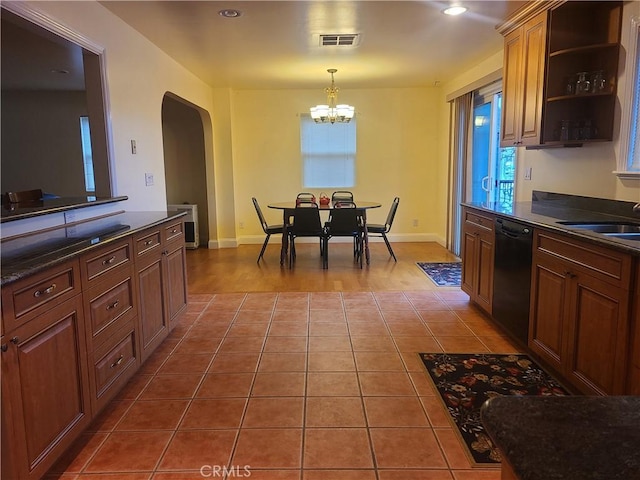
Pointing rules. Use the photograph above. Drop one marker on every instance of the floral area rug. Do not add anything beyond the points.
(465, 381)
(444, 274)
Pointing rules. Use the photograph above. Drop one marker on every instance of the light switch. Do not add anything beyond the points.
(148, 179)
(527, 173)
(134, 147)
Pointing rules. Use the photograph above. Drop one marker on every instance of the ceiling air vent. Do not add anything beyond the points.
(339, 40)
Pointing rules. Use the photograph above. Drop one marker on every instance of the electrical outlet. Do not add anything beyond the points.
(415, 222)
(148, 179)
(527, 173)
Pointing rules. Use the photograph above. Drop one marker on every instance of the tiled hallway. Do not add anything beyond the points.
(305, 386)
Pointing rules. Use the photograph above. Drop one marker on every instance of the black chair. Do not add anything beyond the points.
(382, 230)
(268, 229)
(346, 221)
(341, 196)
(305, 198)
(304, 221)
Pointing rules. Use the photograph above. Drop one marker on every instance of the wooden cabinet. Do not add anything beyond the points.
(161, 278)
(580, 312)
(633, 387)
(524, 61)
(547, 46)
(45, 394)
(478, 235)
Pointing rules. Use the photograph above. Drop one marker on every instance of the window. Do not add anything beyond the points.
(629, 159)
(328, 153)
(87, 155)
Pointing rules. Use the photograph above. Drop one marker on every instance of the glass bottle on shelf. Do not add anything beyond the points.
(583, 85)
(598, 81)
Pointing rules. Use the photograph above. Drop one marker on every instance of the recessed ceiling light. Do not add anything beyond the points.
(229, 13)
(454, 10)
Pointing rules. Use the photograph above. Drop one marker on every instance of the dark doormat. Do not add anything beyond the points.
(443, 274)
(465, 380)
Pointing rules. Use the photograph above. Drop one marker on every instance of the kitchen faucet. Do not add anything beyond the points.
(636, 208)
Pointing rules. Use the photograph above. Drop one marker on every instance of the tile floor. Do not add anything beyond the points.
(303, 386)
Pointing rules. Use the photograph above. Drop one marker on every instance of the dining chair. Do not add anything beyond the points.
(341, 196)
(305, 198)
(304, 221)
(346, 221)
(382, 230)
(268, 229)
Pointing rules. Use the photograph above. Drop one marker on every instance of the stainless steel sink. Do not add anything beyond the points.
(625, 236)
(607, 228)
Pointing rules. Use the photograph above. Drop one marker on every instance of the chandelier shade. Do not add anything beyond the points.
(332, 112)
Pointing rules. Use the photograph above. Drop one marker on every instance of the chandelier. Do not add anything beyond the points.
(332, 113)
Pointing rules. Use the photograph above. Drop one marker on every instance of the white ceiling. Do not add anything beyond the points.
(274, 44)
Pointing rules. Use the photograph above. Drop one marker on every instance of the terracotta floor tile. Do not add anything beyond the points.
(152, 364)
(190, 363)
(110, 416)
(212, 316)
(331, 362)
(339, 475)
(191, 449)
(378, 362)
(385, 384)
(370, 316)
(407, 474)
(283, 362)
(286, 344)
(248, 330)
(334, 412)
(399, 316)
(449, 329)
(323, 329)
(472, 314)
(417, 344)
(395, 412)
(429, 305)
(499, 344)
(153, 415)
(414, 329)
(288, 329)
(337, 448)
(269, 448)
(129, 451)
(332, 384)
(77, 456)
(476, 474)
(461, 344)
(368, 328)
(235, 362)
(273, 474)
(372, 343)
(241, 345)
(134, 386)
(436, 411)
(290, 384)
(422, 383)
(225, 385)
(210, 413)
(412, 362)
(183, 475)
(274, 412)
(198, 344)
(291, 316)
(483, 327)
(455, 454)
(330, 344)
(171, 386)
(200, 297)
(216, 329)
(113, 476)
(297, 300)
(406, 448)
(433, 316)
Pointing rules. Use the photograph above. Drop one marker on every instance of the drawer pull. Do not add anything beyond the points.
(113, 305)
(109, 261)
(175, 230)
(117, 362)
(148, 243)
(46, 291)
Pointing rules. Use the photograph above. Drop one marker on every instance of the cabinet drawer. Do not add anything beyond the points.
(174, 231)
(607, 264)
(482, 221)
(36, 294)
(113, 365)
(110, 305)
(106, 260)
(148, 241)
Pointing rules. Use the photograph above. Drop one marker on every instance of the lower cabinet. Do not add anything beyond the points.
(580, 312)
(45, 390)
(633, 387)
(478, 236)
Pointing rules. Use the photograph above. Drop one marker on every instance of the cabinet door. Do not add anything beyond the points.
(45, 383)
(533, 58)
(151, 296)
(469, 262)
(597, 336)
(511, 89)
(550, 289)
(176, 282)
(484, 285)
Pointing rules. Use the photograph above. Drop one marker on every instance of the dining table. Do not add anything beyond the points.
(286, 207)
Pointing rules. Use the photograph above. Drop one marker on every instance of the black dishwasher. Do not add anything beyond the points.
(512, 277)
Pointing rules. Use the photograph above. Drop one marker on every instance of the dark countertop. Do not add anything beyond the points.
(21, 211)
(567, 438)
(547, 215)
(25, 255)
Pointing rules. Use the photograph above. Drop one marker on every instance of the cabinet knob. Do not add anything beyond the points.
(109, 261)
(148, 243)
(113, 305)
(117, 362)
(45, 291)
(15, 340)
(4, 347)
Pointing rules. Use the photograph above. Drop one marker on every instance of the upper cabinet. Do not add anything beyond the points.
(560, 73)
